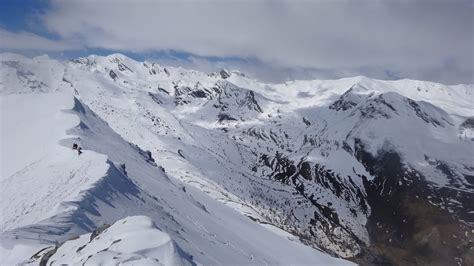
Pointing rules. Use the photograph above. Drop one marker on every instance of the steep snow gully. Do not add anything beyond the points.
(181, 167)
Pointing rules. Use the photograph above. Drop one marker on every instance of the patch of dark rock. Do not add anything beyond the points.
(123, 67)
(252, 103)
(423, 115)
(468, 123)
(113, 75)
(225, 117)
(405, 226)
(224, 74)
(199, 94)
(443, 167)
(149, 157)
(342, 103)
(163, 90)
(381, 100)
(98, 231)
(37, 254)
(81, 248)
(103, 250)
(123, 167)
(305, 171)
(469, 178)
(373, 110)
(155, 98)
(328, 179)
(67, 81)
(347, 147)
(47, 256)
(306, 122)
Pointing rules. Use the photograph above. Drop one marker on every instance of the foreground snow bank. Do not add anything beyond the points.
(133, 240)
(38, 174)
(31, 126)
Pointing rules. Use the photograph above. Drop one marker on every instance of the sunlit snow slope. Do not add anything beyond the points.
(232, 169)
(52, 198)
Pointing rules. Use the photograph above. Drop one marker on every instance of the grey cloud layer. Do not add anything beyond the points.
(28, 41)
(342, 34)
(276, 74)
(293, 33)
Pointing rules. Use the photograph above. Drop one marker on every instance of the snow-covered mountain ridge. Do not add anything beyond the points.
(365, 169)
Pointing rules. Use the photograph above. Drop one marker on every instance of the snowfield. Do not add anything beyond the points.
(38, 174)
(192, 168)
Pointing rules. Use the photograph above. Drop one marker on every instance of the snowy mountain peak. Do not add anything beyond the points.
(224, 73)
(117, 57)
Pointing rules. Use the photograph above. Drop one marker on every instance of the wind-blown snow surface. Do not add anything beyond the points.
(131, 241)
(314, 158)
(50, 194)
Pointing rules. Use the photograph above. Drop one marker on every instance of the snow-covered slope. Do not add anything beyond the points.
(344, 166)
(58, 195)
(131, 241)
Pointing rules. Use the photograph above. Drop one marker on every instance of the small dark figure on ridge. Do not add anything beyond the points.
(77, 148)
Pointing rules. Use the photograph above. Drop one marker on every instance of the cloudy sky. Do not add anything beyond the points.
(270, 40)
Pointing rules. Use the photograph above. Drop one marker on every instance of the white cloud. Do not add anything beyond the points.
(277, 74)
(19, 41)
(415, 38)
(339, 33)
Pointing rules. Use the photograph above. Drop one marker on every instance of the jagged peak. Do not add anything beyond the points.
(118, 57)
(224, 73)
(94, 58)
